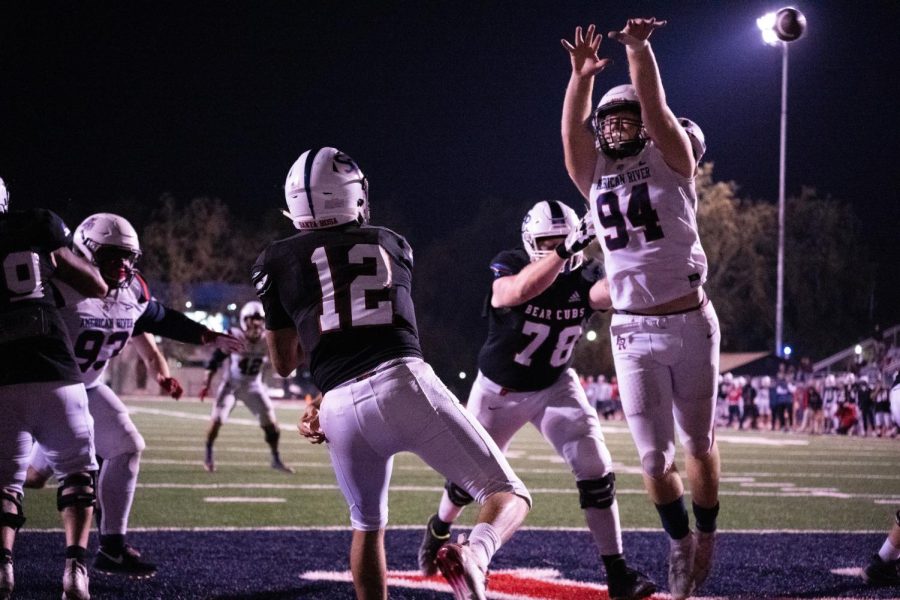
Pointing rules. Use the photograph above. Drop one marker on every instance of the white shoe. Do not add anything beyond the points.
(75, 580)
(703, 556)
(681, 566)
(460, 568)
(7, 581)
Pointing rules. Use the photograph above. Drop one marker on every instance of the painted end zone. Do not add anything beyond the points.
(313, 564)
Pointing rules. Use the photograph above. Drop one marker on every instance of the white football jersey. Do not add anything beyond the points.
(246, 367)
(100, 327)
(646, 222)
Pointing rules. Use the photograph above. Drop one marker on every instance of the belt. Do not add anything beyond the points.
(703, 303)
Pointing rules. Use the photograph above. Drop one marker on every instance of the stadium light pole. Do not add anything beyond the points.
(781, 28)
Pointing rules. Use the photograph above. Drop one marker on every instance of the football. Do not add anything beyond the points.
(789, 24)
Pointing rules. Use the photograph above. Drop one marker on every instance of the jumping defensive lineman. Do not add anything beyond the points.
(342, 289)
(635, 164)
(539, 301)
(243, 381)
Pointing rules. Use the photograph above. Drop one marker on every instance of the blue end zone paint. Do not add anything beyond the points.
(267, 564)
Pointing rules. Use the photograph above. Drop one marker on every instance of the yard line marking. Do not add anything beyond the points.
(242, 500)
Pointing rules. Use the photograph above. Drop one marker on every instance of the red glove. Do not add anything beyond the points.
(204, 391)
(171, 386)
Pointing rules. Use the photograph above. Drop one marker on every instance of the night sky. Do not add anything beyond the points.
(451, 101)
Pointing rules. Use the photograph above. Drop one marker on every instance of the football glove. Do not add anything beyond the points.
(309, 425)
(204, 392)
(578, 239)
(171, 386)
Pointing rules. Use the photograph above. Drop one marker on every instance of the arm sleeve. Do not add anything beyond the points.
(267, 290)
(216, 360)
(169, 323)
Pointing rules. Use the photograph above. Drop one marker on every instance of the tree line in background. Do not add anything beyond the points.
(829, 281)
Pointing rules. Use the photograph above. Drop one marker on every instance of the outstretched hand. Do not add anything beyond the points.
(579, 238)
(223, 341)
(636, 31)
(170, 385)
(583, 54)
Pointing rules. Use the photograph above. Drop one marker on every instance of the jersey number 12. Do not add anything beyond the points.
(357, 314)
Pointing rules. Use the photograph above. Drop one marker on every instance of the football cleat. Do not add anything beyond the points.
(880, 572)
(7, 580)
(75, 580)
(459, 566)
(208, 463)
(280, 466)
(631, 585)
(681, 566)
(428, 549)
(703, 556)
(128, 563)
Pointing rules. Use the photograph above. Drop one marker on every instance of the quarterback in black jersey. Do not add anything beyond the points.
(341, 290)
(41, 396)
(540, 298)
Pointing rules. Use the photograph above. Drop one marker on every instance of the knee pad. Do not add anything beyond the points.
(77, 489)
(11, 519)
(457, 495)
(272, 434)
(597, 493)
(656, 463)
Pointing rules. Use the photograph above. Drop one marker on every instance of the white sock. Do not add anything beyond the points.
(447, 511)
(605, 528)
(888, 551)
(485, 541)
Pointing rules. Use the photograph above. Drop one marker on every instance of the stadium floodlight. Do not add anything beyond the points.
(780, 28)
(462, 374)
(591, 335)
(788, 351)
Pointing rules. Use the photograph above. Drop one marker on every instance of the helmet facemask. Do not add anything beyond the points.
(116, 264)
(619, 130)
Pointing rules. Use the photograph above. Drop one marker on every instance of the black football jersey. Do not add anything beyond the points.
(34, 344)
(347, 292)
(530, 345)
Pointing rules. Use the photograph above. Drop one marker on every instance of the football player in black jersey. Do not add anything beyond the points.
(540, 298)
(41, 396)
(338, 296)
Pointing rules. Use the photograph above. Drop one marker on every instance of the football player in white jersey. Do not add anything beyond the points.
(243, 381)
(99, 329)
(540, 298)
(635, 164)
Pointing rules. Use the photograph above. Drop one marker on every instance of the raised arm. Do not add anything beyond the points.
(79, 273)
(579, 149)
(660, 122)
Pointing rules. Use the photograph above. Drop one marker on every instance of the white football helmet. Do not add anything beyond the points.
(252, 310)
(325, 188)
(610, 128)
(728, 378)
(766, 381)
(4, 197)
(698, 140)
(830, 380)
(110, 243)
(549, 218)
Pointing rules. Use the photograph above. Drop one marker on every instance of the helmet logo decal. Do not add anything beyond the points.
(307, 179)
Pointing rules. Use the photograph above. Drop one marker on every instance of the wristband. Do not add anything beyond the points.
(562, 252)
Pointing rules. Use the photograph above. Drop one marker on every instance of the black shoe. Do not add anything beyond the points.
(630, 585)
(429, 547)
(879, 572)
(280, 466)
(127, 563)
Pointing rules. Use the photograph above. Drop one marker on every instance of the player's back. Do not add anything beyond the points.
(34, 345)
(347, 292)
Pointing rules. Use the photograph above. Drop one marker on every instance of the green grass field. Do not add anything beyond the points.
(770, 481)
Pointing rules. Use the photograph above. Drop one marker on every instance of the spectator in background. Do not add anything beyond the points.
(866, 405)
(894, 398)
(748, 394)
(782, 399)
(831, 397)
(881, 399)
(763, 401)
(734, 398)
(814, 409)
(799, 421)
(846, 417)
